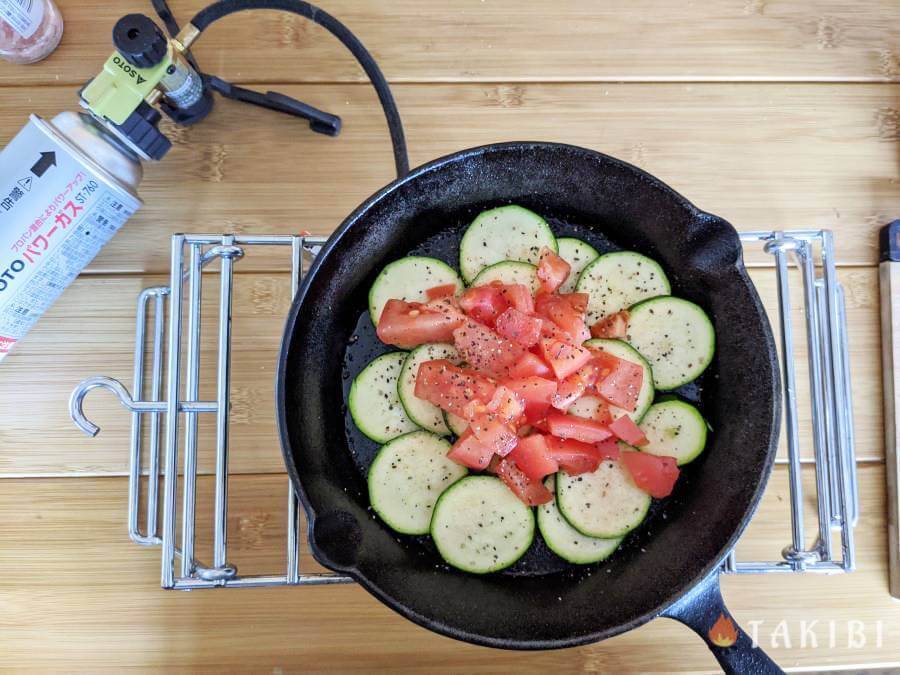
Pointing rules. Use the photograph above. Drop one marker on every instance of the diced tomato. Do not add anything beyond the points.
(654, 475)
(578, 301)
(620, 381)
(536, 392)
(560, 311)
(532, 492)
(541, 425)
(484, 303)
(574, 386)
(579, 428)
(484, 350)
(469, 452)
(518, 296)
(625, 428)
(551, 330)
(531, 456)
(613, 326)
(440, 291)
(563, 358)
(494, 433)
(530, 364)
(608, 449)
(507, 403)
(410, 324)
(518, 327)
(552, 271)
(603, 415)
(572, 456)
(450, 387)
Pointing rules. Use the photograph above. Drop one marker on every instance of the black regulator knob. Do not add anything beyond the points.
(139, 40)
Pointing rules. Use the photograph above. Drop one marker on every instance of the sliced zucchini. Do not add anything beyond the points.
(374, 403)
(625, 351)
(480, 526)
(586, 406)
(408, 279)
(421, 412)
(509, 272)
(406, 478)
(567, 542)
(605, 503)
(579, 255)
(616, 281)
(675, 336)
(674, 429)
(505, 233)
(455, 423)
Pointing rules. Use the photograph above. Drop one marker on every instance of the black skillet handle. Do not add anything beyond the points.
(704, 611)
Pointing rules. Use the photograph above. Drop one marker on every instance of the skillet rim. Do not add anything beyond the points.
(440, 627)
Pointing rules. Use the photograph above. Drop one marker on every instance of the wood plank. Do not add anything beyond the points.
(467, 40)
(763, 156)
(90, 332)
(76, 591)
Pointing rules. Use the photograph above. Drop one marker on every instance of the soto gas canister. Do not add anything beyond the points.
(67, 185)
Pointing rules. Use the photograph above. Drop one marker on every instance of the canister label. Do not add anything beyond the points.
(23, 15)
(55, 215)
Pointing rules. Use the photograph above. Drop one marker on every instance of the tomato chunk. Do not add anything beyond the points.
(469, 452)
(572, 456)
(654, 475)
(494, 433)
(531, 456)
(484, 303)
(613, 326)
(552, 271)
(452, 388)
(574, 386)
(536, 392)
(530, 364)
(532, 492)
(410, 324)
(484, 350)
(625, 428)
(578, 428)
(440, 291)
(608, 449)
(620, 381)
(518, 296)
(506, 403)
(563, 358)
(518, 327)
(578, 301)
(560, 312)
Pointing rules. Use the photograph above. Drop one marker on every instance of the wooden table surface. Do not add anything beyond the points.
(771, 113)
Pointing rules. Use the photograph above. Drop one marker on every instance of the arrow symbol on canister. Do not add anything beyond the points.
(48, 159)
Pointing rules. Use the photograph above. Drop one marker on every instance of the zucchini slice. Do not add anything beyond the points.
(408, 279)
(374, 404)
(505, 233)
(616, 281)
(579, 255)
(406, 478)
(456, 424)
(421, 412)
(509, 272)
(625, 351)
(605, 503)
(480, 526)
(675, 336)
(674, 429)
(567, 542)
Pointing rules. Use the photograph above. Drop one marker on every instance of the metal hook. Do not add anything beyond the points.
(76, 400)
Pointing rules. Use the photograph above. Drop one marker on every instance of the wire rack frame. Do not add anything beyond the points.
(176, 370)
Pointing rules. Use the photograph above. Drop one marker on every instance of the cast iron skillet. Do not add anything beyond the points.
(669, 566)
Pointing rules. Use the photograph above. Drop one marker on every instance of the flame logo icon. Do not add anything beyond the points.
(723, 632)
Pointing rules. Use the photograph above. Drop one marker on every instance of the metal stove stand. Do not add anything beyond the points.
(809, 251)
